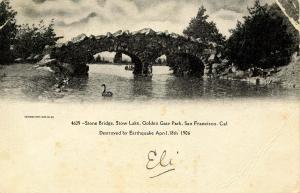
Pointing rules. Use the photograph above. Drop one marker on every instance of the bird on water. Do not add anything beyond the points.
(106, 93)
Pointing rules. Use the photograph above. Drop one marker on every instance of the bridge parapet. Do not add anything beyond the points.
(143, 46)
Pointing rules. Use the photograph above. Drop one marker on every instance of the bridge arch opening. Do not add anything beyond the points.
(121, 57)
(161, 60)
(112, 57)
(184, 64)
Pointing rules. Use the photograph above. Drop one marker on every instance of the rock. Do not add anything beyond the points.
(206, 71)
(60, 45)
(46, 57)
(30, 57)
(160, 33)
(224, 61)
(126, 32)
(199, 40)
(79, 38)
(214, 71)
(193, 39)
(185, 37)
(213, 44)
(233, 68)
(47, 61)
(174, 35)
(100, 37)
(207, 51)
(166, 32)
(145, 31)
(211, 58)
(108, 34)
(117, 33)
(18, 60)
(215, 65)
(240, 74)
(37, 57)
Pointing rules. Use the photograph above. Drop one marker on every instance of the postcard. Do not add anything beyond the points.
(137, 96)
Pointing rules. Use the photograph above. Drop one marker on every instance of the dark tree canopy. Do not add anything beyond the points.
(7, 32)
(199, 27)
(31, 40)
(265, 39)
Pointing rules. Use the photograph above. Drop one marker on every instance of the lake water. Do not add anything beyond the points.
(23, 82)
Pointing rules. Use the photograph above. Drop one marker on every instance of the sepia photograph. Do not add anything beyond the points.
(138, 50)
(149, 96)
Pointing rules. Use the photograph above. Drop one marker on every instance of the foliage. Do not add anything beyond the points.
(7, 31)
(185, 64)
(291, 30)
(265, 39)
(31, 40)
(199, 27)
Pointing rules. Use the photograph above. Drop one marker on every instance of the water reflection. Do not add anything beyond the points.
(141, 87)
(23, 82)
(79, 84)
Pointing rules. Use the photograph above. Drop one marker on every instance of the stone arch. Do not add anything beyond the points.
(143, 47)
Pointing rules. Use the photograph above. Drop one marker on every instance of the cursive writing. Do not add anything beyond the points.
(155, 161)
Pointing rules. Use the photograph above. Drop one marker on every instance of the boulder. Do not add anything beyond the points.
(108, 34)
(207, 51)
(145, 31)
(233, 68)
(240, 74)
(224, 61)
(47, 61)
(166, 32)
(174, 35)
(193, 39)
(60, 45)
(160, 33)
(18, 60)
(100, 37)
(211, 58)
(199, 40)
(46, 57)
(79, 38)
(215, 65)
(117, 33)
(30, 57)
(37, 57)
(126, 32)
(213, 44)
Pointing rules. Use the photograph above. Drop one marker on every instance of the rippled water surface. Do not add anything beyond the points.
(23, 82)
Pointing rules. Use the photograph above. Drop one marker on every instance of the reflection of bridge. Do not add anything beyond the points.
(143, 47)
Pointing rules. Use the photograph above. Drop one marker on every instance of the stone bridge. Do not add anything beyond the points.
(143, 46)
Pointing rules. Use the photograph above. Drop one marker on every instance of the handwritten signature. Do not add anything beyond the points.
(159, 161)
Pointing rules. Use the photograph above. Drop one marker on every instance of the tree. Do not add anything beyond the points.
(7, 32)
(31, 40)
(275, 11)
(263, 40)
(199, 27)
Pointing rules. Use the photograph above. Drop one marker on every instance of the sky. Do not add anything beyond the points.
(74, 17)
